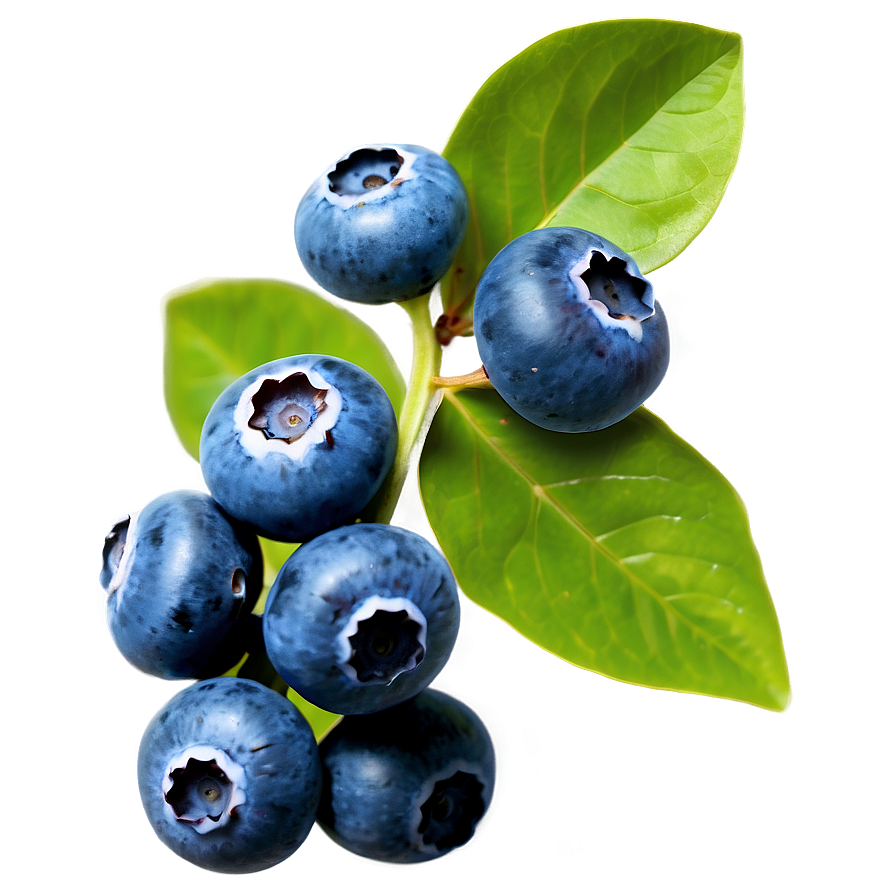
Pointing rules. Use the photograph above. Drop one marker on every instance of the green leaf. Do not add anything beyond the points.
(630, 129)
(275, 554)
(217, 330)
(319, 719)
(622, 551)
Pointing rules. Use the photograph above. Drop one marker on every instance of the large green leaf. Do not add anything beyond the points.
(217, 330)
(630, 129)
(623, 551)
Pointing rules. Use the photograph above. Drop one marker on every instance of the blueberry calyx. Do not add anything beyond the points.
(286, 409)
(448, 806)
(451, 812)
(367, 174)
(203, 787)
(383, 638)
(114, 553)
(614, 290)
(290, 415)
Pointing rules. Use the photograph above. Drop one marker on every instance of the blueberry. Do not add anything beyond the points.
(362, 617)
(298, 446)
(568, 330)
(407, 784)
(181, 580)
(382, 224)
(230, 775)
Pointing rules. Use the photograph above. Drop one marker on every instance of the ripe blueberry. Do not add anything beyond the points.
(382, 224)
(362, 617)
(568, 330)
(298, 446)
(181, 580)
(407, 784)
(230, 775)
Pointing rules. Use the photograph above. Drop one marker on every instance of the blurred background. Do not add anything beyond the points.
(146, 146)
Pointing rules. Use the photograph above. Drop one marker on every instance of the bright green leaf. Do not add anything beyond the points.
(319, 719)
(630, 129)
(622, 551)
(217, 330)
(275, 554)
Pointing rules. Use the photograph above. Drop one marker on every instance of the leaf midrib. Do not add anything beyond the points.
(625, 136)
(582, 184)
(540, 493)
(206, 343)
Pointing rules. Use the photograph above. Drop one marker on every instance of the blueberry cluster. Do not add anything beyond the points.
(360, 619)
(567, 327)
(363, 616)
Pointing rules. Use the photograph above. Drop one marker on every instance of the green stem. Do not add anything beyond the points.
(416, 410)
(413, 423)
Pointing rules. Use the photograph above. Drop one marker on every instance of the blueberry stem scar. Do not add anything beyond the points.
(417, 411)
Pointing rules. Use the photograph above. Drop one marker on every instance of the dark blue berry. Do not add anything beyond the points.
(230, 775)
(407, 784)
(568, 330)
(298, 446)
(362, 617)
(181, 579)
(382, 224)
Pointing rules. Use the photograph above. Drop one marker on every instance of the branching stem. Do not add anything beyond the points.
(476, 379)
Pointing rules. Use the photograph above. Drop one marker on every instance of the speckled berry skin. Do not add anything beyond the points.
(408, 784)
(362, 618)
(390, 240)
(266, 763)
(293, 486)
(181, 580)
(568, 330)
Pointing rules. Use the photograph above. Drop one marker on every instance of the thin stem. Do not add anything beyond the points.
(413, 423)
(476, 379)
(416, 412)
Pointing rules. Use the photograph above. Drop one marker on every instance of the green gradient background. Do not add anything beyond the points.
(148, 147)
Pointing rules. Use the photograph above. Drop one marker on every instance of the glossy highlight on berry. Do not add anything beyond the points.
(181, 579)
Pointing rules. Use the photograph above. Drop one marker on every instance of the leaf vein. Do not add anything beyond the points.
(626, 135)
(576, 523)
